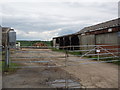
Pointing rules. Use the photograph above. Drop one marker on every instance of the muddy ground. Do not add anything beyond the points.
(34, 75)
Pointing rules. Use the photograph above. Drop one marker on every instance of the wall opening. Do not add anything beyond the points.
(75, 42)
(67, 43)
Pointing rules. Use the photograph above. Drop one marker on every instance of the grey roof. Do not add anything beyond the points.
(108, 24)
(112, 23)
(65, 35)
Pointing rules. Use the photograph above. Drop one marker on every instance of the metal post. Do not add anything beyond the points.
(66, 80)
(98, 53)
(65, 58)
(98, 56)
(70, 42)
(63, 43)
(6, 56)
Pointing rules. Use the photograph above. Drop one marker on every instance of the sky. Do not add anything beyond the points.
(45, 19)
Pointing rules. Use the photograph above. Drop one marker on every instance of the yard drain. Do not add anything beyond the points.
(65, 83)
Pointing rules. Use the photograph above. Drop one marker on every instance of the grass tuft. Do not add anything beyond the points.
(9, 70)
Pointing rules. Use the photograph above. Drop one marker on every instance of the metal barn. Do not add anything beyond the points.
(105, 33)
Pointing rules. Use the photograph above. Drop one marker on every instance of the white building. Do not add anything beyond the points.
(18, 45)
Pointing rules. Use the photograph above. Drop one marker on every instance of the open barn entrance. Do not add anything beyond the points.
(57, 41)
(61, 42)
(67, 43)
(75, 42)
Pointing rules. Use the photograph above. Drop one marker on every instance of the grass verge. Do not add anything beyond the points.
(8, 70)
(79, 53)
(64, 51)
(106, 59)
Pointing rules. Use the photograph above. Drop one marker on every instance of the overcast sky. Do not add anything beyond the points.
(43, 20)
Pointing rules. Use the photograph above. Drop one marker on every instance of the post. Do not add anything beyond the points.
(98, 56)
(63, 43)
(98, 53)
(66, 55)
(7, 56)
(70, 42)
(66, 80)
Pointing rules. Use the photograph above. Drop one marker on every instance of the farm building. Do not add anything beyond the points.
(18, 45)
(105, 33)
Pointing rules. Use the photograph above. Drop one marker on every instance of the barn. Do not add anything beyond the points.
(106, 33)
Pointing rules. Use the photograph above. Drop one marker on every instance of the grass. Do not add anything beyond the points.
(75, 53)
(115, 62)
(95, 57)
(64, 51)
(58, 50)
(30, 43)
(8, 69)
(0, 66)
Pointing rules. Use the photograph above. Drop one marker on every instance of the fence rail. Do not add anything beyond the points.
(95, 52)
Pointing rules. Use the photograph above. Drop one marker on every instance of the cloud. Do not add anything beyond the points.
(44, 20)
(59, 1)
(34, 35)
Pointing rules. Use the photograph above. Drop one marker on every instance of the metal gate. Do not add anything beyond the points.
(44, 58)
(48, 58)
(96, 53)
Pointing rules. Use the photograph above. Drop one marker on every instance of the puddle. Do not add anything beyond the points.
(65, 83)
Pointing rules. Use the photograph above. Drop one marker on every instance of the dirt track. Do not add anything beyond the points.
(102, 75)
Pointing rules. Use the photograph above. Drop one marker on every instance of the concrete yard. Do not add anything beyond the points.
(99, 75)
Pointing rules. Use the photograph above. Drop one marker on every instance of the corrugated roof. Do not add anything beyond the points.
(108, 24)
(112, 23)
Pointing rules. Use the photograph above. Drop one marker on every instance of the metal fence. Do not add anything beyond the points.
(36, 56)
(98, 53)
(90, 54)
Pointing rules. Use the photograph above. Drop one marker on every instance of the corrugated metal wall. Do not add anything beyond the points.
(87, 40)
(108, 38)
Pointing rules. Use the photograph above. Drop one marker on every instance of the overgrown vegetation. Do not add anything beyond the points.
(30, 43)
